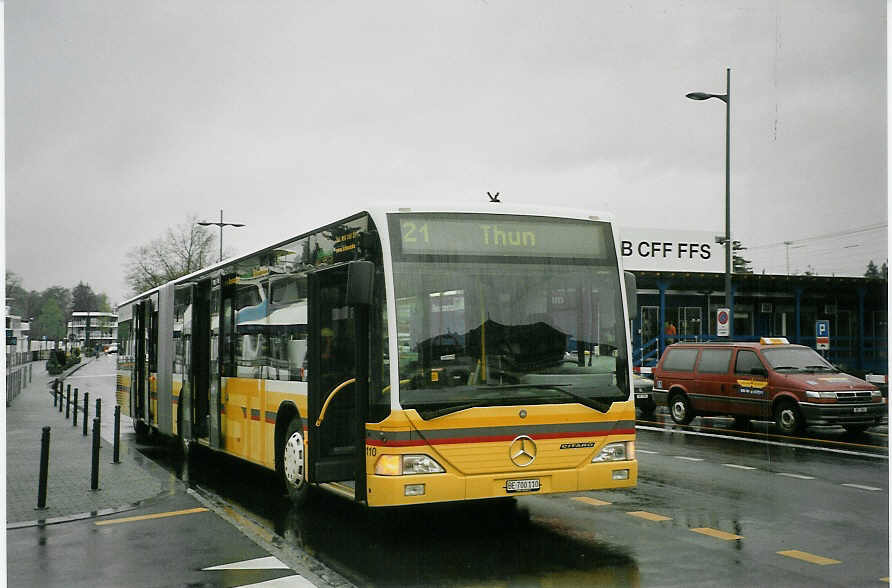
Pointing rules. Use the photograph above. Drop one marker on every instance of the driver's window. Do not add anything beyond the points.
(746, 361)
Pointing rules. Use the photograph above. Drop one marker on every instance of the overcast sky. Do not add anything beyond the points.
(124, 116)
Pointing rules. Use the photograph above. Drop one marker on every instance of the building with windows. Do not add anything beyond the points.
(86, 329)
(765, 306)
(681, 288)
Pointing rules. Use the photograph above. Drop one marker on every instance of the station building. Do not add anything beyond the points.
(680, 280)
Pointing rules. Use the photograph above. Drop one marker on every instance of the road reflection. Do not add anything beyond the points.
(475, 544)
(492, 543)
(875, 440)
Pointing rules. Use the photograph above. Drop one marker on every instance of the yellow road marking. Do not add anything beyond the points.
(157, 515)
(649, 515)
(809, 557)
(592, 501)
(716, 533)
(886, 580)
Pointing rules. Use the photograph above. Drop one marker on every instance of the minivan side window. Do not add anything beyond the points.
(680, 360)
(746, 360)
(714, 361)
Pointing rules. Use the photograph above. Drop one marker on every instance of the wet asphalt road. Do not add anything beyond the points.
(713, 506)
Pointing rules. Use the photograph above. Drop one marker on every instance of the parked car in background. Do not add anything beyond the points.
(769, 380)
(644, 395)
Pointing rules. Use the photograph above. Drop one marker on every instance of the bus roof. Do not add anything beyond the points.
(378, 212)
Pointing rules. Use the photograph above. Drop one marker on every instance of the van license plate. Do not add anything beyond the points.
(642, 396)
(859, 409)
(522, 485)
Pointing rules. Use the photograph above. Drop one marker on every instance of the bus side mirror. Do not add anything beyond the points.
(631, 294)
(360, 283)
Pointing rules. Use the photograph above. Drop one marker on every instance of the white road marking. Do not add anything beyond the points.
(761, 441)
(688, 458)
(646, 451)
(797, 476)
(739, 467)
(91, 376)
(860, 487)
(284, 582)
(260, 563)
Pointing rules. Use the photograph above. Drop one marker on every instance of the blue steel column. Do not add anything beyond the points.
(796, 331)
(663, 286)
(861, 293)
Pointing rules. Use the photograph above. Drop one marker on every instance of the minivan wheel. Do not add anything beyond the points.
(680, 409)
(788, 418)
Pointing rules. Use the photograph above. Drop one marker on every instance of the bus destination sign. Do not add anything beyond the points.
(502, 236)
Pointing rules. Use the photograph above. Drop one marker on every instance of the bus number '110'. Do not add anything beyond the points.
(371, 451)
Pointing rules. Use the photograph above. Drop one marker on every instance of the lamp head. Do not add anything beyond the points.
(705, 96)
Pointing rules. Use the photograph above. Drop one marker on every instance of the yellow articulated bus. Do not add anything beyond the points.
(401, 356)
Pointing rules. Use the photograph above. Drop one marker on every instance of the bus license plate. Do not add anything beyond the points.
(859, 409)
(641, 396)
(522, 485)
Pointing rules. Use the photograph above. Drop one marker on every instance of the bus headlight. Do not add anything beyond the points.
(406, 465)
(622, 451)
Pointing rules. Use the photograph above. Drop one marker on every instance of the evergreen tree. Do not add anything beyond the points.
(872, 270)
(739, 265)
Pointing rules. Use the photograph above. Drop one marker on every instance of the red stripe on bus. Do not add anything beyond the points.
(494, 438)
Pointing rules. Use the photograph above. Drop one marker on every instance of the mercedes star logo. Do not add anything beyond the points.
(522, 451)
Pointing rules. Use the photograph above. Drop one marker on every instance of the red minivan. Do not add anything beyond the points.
(769, 380)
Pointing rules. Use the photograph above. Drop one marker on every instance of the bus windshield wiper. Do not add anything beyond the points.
(584, 400)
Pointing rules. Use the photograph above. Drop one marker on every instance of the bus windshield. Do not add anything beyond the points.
(495, 310)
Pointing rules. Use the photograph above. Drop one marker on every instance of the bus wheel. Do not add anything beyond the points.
(680, 408)
(142, 431)
(787, 417)
(294, 463)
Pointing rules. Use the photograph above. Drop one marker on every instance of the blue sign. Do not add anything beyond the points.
(822, 328)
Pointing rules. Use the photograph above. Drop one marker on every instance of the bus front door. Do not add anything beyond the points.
(336, 425)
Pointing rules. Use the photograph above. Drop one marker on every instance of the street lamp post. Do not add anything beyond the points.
(220, 224)
(726, 98)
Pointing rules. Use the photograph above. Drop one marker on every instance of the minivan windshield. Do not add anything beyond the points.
(508, 310)
(803, 359)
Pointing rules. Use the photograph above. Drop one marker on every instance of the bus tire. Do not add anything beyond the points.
(680, 408)
(142, 431)
(294, 463)
(788, 417)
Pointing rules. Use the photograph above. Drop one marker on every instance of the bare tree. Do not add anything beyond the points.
(181, 250)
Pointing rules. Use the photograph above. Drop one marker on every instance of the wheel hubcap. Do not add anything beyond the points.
(678, 409)
(293, 460)
(788, 419)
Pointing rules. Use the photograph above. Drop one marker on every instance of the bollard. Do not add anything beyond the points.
(86, 410)
(68, 402)
(99, 408)
(44, 467)
(117, 451)
(74, 419)
(55, 394)
(94, 471)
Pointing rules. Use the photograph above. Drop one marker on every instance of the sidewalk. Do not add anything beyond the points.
(68, 482)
